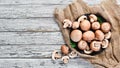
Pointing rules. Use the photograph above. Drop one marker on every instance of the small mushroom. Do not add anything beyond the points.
(88, 36)
(75, 25)
(108, 35)
(73, 54)
(82, 44)
(67, 23)
(88, 50)
(82, 18)
(95, 45)
(65, 59)
(99, 35)
(76, 35)
(64, 49)
(93, 18)
(105, 27)
(95, 25)
(105, 43)
(55, 55)
(85, 25)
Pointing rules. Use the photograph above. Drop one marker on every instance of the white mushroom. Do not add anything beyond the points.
(88, 36)
(95, 25)
(95, 45)
(108, 35)
(88, 50)
(85, 25)
(99, 35)
(93, 18)
(67, 23)
(73, 54)
(55, 55)
(105, 27)
(82, 18)
(105, 43)
(75, 25)
(65, 59)
(82, 45)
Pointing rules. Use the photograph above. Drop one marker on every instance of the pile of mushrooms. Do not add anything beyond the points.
(90, 35)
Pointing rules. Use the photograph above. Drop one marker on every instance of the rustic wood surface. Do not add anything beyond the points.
(29, 34)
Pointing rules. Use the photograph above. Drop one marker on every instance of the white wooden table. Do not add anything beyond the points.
(28, 34)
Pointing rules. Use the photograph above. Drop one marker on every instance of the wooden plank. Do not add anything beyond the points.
(41, 24)
(27, 51)
(43, 63)
(31, 38)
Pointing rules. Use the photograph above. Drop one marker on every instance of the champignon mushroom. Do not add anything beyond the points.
(105, 27)
(82, 18)
(75, 25)
(55, 55)
(88, 50)
(82, 44)
(73, 54)
(76, 35)
(93, 18)
(64, 49)
(108, 35)
(99, 35)
(95, 45)
(88, 36)
(67, 23)
(65, 59)
(105, 43)
(95, 25)
(85, 25)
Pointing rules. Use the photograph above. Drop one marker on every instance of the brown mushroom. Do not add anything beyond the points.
(65, 59)
(75, 25)
(95, 45)
(82, 18)
(56, 55)
(82, 44)
(93, 18)
(99, 35)
(95, 25)
(73, 54)
(64, 49)
(105, 27)
(108, 35)
(105, 43)
(88, 50)
(88, 36)
(67, 23)
(85, 25)
(76, 35)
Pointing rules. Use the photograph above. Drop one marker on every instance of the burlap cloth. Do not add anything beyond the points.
(110, 57)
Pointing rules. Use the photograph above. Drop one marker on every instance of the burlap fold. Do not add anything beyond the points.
(110, 57)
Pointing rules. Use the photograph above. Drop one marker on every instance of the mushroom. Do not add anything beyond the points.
(108, 35)
(55, 55)
(95, 25)
(95, 45)
(93, 18)
(73, 54)
(82, 18)
(88, 50)
(82, 44)
(99, 35)
(76, 35)
(105, 43)
(105, 27)
(65, 59)
(88, 36)
(67, 23)
(85, 25)
(75, 25)
(64, 49)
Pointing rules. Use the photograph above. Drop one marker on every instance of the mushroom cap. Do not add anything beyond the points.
(95, 45)
(88, 36)
(75, 25)
(99, 35)
(105, 43)
(73, 54)
(76, 35)
(95, 25)
(82, 18)
(65, 59)
(67, 23)
(108, 35)
(93, 18)
(105, 27)
(85, 25)
(82, 44)
(64, 49)
(55, 55)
